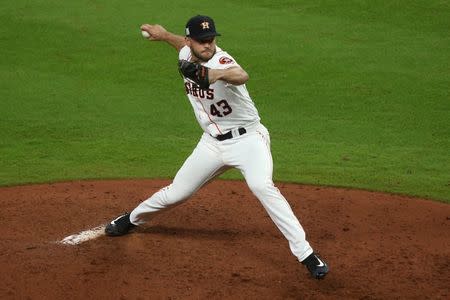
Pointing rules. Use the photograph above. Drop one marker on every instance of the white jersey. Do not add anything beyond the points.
(223, 106)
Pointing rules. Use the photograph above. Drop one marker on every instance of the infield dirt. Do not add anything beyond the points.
(220, 244)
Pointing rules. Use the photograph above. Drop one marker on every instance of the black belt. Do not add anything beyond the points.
(229, 135)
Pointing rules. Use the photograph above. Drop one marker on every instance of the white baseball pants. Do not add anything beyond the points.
(250, 153)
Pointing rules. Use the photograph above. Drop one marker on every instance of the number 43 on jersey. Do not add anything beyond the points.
(221, 108)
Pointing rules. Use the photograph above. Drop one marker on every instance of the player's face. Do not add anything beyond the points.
(202, 49)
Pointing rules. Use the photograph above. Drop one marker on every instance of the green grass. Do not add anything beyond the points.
(355, 93)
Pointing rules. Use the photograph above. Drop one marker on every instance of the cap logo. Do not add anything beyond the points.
(205, 25)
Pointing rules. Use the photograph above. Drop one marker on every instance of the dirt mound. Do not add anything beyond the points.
(220, 244)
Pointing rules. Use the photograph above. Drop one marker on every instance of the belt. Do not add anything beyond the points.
(229, 135)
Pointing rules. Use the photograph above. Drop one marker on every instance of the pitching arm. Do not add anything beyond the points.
(159, 33)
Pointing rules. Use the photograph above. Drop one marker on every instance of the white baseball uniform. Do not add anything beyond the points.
(226, 109)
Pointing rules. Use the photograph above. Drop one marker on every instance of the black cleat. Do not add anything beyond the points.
(119, 226)
(316, 266)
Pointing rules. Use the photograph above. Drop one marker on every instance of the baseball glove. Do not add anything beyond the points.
(195, 72)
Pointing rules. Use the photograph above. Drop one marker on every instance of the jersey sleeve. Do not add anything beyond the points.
(184, 53)
(222, 60)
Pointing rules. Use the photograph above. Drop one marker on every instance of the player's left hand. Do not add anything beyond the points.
(196, 72)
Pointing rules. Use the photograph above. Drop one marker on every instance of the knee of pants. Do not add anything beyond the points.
(174, 194)
(260, 188)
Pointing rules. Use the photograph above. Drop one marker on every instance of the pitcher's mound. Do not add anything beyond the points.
(220, 244)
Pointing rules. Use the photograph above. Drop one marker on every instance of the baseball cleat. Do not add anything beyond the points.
(119, 226)
(316, 266)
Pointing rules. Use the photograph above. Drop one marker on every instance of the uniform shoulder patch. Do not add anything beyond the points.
(225, 60)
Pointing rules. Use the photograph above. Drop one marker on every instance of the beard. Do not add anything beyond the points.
(205, 55)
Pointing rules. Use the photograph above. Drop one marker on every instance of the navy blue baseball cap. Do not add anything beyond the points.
(201, 27)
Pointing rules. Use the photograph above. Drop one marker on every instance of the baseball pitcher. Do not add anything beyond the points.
(233, 137)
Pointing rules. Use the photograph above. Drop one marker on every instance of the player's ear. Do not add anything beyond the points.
(188, 41)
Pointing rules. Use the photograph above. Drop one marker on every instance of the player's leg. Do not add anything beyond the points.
(201, 166)
(253, 157)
